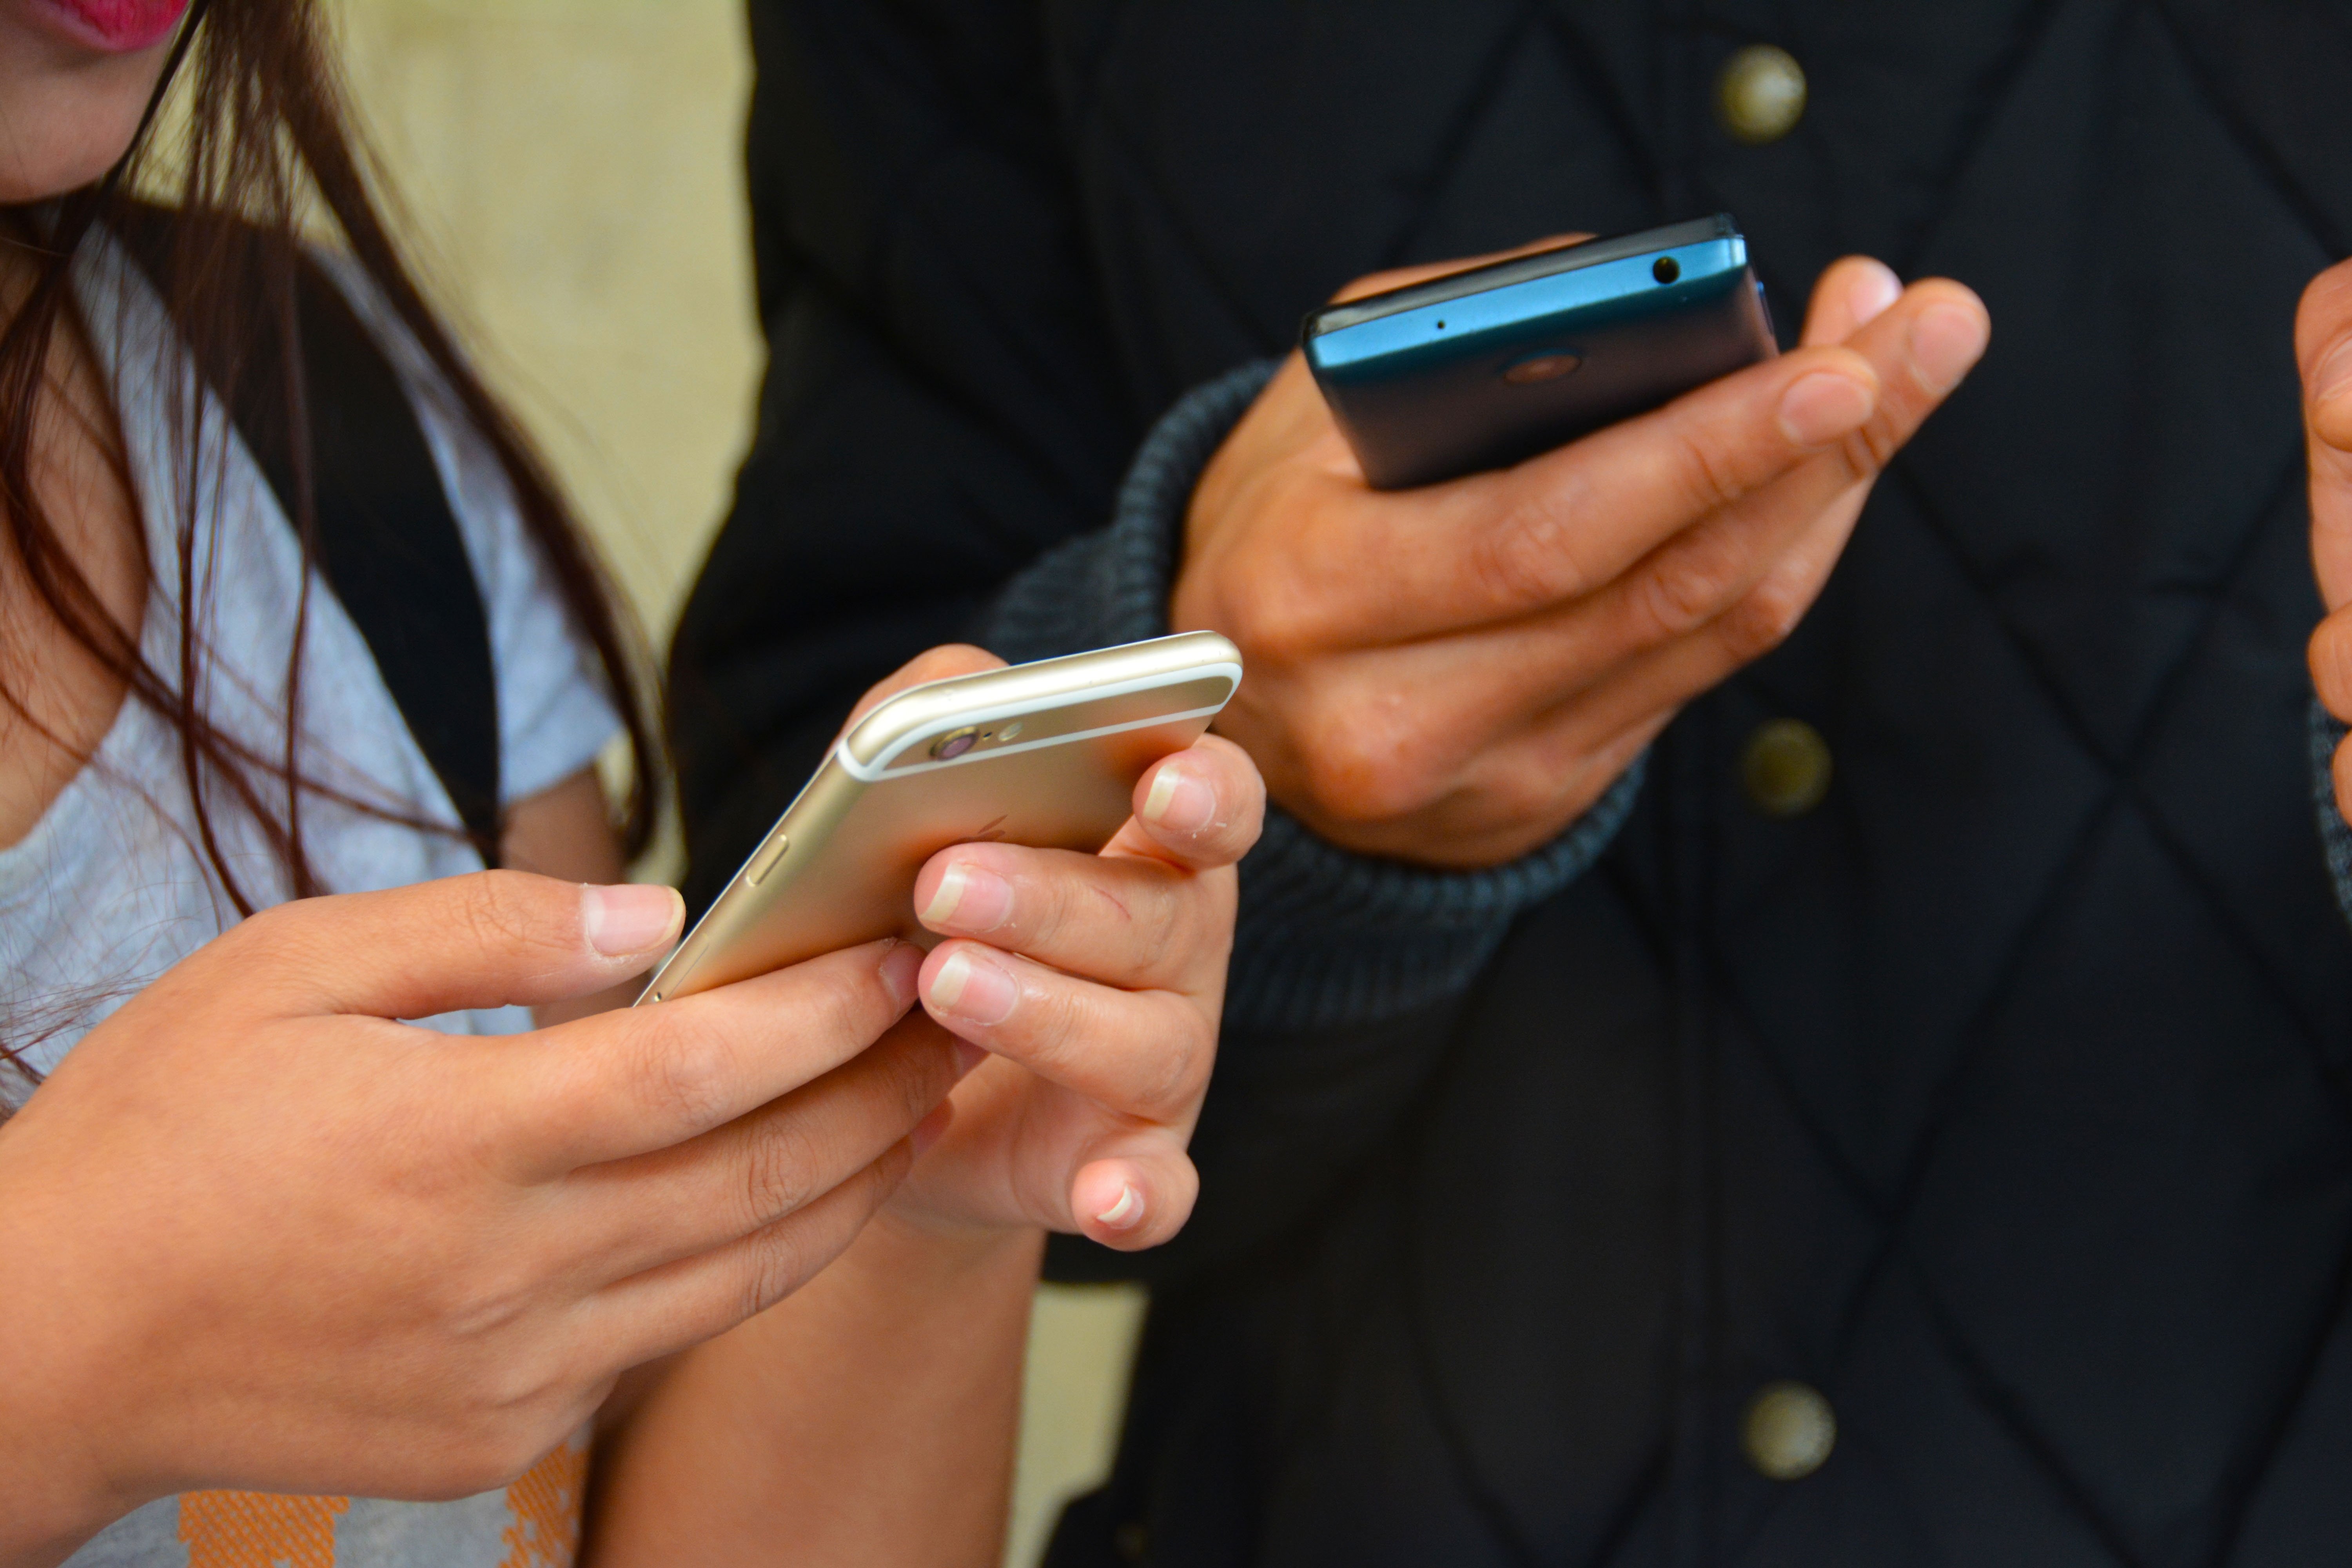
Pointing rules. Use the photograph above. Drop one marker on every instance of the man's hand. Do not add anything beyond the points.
(2323, 347)
(1451, 675)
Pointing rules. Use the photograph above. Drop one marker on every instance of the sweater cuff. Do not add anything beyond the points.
(1326, 937)
(2335, 834)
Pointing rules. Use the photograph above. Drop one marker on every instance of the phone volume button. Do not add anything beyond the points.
(765, 860)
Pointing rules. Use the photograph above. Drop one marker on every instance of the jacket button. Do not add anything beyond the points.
(1760, 95)
(1789, 1431)
(1785, 767)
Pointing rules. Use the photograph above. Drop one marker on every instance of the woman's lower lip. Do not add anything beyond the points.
(120, 26)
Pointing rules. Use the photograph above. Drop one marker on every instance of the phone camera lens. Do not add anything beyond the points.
(949, 747)
(1665, 270)
(1550, 365)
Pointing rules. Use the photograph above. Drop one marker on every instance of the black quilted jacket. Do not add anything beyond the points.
(2004, 1097)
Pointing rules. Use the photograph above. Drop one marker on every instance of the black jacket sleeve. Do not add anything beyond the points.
(942, 436)
(937, 410)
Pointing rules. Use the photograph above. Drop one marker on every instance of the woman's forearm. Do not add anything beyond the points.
(869, 1418)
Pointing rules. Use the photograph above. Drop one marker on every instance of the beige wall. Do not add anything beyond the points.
(574, 170)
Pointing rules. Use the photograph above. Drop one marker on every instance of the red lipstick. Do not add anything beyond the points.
(118, 26)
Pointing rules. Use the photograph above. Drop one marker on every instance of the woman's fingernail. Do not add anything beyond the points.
(630, 918)
(899, 972)
(932, 1128)
(2333, 375)
(1821, 406)
(1946, 343)
(973, 989)
(1178, 801)
(1125, 1214)
(971, 900)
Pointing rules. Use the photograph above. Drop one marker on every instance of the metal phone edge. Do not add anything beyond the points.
(807, 823)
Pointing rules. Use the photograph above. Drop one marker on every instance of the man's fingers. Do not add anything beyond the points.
(1400, 277)
(641, 1079)
(2331, 662)
(2323, 332)
(1920, 352)
(490, 939)
(735, 1180)
(1850, 294)
(1494, 547)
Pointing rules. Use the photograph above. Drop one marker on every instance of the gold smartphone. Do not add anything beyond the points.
(1045, 755)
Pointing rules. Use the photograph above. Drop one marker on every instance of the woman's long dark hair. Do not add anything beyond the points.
(265, 134)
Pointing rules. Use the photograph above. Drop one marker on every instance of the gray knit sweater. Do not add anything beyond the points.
(1326, 936)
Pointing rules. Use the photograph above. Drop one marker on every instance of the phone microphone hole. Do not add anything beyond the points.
(1665, 270)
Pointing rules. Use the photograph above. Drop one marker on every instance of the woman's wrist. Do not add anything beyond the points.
(55, 1491)
(922, 1250)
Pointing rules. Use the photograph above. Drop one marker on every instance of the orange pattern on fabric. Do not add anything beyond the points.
(259, 1530)
(546, 1502)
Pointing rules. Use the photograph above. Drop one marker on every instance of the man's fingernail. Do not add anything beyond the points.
(1125, 1214)
(1178, 801)
(1946, 340)
(899, 971)
(1821, 406)
(973, 989)
(971, 900)
(630, 918)
(2333, 375)
(1873, 292)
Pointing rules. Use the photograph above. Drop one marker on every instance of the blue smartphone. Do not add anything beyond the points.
(1481, 369)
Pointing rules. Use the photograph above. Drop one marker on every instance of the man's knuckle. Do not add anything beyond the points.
(1530, 558)
(1271, 624)
(1764, 619)
(1865, 452)
(1705, 477)
(1359, 765)
(2331, 663)
(1687, 587)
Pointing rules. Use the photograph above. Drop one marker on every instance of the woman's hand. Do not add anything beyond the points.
(258, 1236)
(1095, 982)
(2323, 345)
